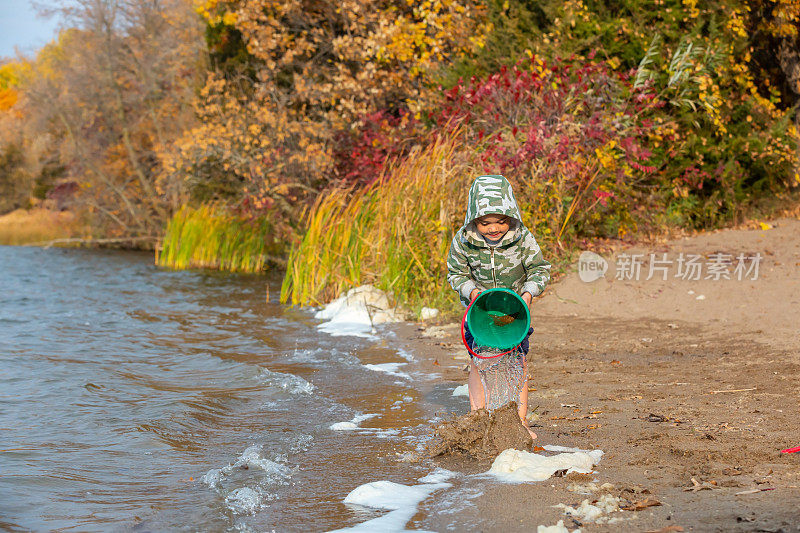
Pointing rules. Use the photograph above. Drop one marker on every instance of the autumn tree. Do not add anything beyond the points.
(109, 96)
(314, 68)
(16, 183)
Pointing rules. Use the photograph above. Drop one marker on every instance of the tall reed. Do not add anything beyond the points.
(211, 236)
(394, 234)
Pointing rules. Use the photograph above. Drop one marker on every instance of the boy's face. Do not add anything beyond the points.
(493, 227)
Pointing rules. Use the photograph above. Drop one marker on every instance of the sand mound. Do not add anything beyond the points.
(481, 434)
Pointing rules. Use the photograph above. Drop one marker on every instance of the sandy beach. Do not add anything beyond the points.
(688, 386)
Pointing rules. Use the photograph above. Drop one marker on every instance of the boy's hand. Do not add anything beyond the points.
(527, 297)
(474, 294)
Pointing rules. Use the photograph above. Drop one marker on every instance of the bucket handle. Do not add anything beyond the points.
(464, 337)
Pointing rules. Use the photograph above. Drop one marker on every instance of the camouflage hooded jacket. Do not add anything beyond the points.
(515, 262)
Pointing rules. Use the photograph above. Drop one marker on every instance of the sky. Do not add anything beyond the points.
(20, 27)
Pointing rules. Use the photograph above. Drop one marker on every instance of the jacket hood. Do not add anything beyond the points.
(491, 195)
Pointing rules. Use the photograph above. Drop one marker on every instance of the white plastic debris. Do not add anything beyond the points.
(588, 512)
(357, 312)
(461, 390)
(427, 313)
(558, 528)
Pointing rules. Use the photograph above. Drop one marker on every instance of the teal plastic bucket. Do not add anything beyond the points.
(498, 318)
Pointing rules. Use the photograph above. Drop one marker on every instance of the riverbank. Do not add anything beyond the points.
(37, 226)
(688, 386)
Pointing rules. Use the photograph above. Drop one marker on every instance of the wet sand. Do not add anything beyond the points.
(689, 386)
(481, 434)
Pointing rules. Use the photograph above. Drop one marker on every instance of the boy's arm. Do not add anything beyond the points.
(537, 269)
(458, 274)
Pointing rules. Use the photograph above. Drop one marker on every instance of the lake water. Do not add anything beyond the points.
(138, 398)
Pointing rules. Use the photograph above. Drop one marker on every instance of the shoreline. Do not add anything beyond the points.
(686, 385)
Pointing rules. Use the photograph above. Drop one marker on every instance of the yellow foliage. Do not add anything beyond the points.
(9, 75)
(8, 97)
(321, 66)
(785, 18)
(348, 58)
(9, 80)
(266, 145)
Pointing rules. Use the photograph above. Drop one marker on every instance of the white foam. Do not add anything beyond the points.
(405, 354)
(344, 426)
(353, 424)
(554, 448)
(384, 433)
(243, 501)
(357, 312)
(516, 466)
(322, 356)
(439, 475)
(391, 496)
(401, 500)
(461, 390)
(389, 368)
(558, 528)
(588, 512)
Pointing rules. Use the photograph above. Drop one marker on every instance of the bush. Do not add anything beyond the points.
(573, 134)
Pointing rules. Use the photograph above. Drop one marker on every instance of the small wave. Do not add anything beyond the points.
(246, 483)
(389, 368)
(299, 388)
(275, 472)
(320, 356)
(244, 500)
(303, 443)
(251, 457)
(305, 356)
(378, 433)
(288, 382)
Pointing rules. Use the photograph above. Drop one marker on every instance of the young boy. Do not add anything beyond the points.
(495, 249)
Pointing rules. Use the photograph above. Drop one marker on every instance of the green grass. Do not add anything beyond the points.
(211, 236)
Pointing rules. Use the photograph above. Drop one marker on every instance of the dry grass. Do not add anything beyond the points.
(37, 226)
